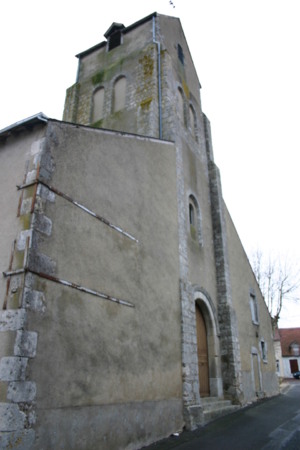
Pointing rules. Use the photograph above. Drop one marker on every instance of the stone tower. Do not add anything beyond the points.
(142, 80)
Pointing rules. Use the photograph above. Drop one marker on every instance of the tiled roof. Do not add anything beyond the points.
(289, 336)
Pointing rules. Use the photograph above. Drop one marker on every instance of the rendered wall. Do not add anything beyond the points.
(107, 371)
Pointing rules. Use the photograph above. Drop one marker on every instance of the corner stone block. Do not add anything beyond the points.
(12, 368)
(38, 262)
(31, 176)
(194, 417)
(12, 320)
(43, 224)
(12, 418)
(22, 238)
(17, 440)
(45, 193)
(25, 345)
(26, 206)
(34, 300)
(21, 391)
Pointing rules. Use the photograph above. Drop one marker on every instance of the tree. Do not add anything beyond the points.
(278, 281)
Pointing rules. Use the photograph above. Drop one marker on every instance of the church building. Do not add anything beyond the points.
(129, 309)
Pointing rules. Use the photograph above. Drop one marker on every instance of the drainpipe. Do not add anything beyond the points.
(159, 77)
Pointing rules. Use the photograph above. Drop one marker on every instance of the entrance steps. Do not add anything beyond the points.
(214, 407)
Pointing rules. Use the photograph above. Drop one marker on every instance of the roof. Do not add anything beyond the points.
(24, 124)
(30, 122)
(288, 336)
(114, 26)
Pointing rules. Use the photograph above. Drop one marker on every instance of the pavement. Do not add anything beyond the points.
(269, 424)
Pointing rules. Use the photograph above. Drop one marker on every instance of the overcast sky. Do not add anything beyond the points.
(246, 54)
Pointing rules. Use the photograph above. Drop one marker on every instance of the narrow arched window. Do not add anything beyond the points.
(180, 54)
(192, 214)
(192, 121)
(254, 308)
(119, 95)
(181, 105)
(98, 105)
(195, 220)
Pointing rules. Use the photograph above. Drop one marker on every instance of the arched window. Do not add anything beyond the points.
(119, 95)
(195, 220)
(98, 105)
(192, 121)
(181, 105)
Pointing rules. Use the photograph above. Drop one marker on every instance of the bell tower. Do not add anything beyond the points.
(117, 82)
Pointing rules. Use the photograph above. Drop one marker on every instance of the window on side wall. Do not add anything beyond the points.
(254, 309)
(192, 118)
(180, 54)
(263, 349)
(181, 106)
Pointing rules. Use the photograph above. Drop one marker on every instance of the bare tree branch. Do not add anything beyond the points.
(278, 281)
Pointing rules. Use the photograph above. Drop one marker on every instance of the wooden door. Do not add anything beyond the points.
(202, 354)
(294, 365)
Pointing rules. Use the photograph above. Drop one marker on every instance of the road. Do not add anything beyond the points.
(271, 424)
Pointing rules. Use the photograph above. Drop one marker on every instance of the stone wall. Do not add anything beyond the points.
(19, 162)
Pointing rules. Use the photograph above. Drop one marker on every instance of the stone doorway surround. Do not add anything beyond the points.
(193, 408)
(204, 302)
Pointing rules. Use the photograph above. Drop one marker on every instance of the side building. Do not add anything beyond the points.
(128, 302)
(287, 351)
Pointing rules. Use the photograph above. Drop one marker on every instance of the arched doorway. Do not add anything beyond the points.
(202, 350)
(208, 346)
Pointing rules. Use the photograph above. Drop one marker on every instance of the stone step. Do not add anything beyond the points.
(220, 412)
(211, 399)
(216, 404)
(214, 408)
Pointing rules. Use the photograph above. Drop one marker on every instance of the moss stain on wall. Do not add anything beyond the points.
(148, 65)
(108, 73)
(145, 104)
